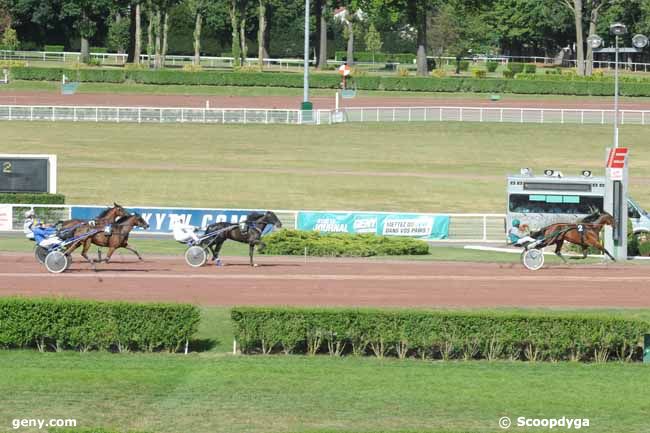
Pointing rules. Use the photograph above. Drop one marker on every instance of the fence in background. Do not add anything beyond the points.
(319, 117)
(462, 227)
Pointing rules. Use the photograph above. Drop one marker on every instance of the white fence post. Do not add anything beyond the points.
(501, 115)
(484, 227)
(139, 115)
(53, 116)
(461, 114)
(9, 113)
(31, 113)
(562, 116)
(582, 117)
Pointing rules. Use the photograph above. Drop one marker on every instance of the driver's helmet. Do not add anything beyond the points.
(30, 214)
(515, 222)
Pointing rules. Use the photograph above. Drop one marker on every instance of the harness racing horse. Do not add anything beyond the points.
(107, 216)
(78, 227)
(253, 236)
(584, 234)
(118, 238)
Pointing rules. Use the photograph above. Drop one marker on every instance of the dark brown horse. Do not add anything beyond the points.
(256, 223)
(584, 234)
(118, 237)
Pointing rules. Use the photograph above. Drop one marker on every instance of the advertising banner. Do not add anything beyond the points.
(5, 217)
(162, 220)
(421, 226)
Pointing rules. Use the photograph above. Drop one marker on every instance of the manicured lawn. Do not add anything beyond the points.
(427, 167)
(427, 97)
(217, 393)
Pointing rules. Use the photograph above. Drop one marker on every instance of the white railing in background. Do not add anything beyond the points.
(319, 117)
(482, 114)
(149, 114)
(462, 227)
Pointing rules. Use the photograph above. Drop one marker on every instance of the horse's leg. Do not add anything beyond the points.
(216, 249)
(84, 252)
(602, 249)
(110, 252)
(251, 250)
(126, 247)
(584, 251)
(558, 249)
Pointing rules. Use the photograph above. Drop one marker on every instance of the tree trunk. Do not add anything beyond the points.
(118, 20)
(197, 39)
(150, 47)
(421, 61)
(580, 51)
(157, 62)
(85, 51)
(164, 43)
(138, 34)
(261, 52)
(234, 21)
(322, 51)
(593, 22)
(350, 53)
(242, 37)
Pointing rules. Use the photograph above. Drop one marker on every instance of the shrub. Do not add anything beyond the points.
(10, 39)
(31, 198)
(491, 65)
(516, 67)
(644, 248)
(193, 68)
(440, 334)
(54, 48)
(479, 73)
(294, 242)
(507, 73)
(403, 72)
(12, 63)
(62, 324)
(530, 68)
(99, 49)
(463, 65)
(136, 67)
(247, 68)
(358, 72)
(439, 73)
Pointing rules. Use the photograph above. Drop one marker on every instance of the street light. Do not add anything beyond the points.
(615, 200)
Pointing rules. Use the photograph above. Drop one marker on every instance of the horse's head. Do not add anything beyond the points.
(138, 221)
(272, 218)
(119, 211)
(606, 219)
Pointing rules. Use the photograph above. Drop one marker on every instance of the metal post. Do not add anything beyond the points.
(305, 97)
(616, 94)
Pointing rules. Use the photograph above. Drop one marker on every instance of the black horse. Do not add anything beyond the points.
(248, 232)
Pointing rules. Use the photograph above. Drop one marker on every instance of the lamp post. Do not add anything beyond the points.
(306, 106)
(616, 181)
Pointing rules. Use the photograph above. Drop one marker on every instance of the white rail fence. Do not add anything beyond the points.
(297, 117)
(462, 227)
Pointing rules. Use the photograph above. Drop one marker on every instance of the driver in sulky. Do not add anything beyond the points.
(518, 235)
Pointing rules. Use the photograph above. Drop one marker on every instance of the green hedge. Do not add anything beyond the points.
(491, 65)
(366, 56)
(516, 67)
(294, 242)
(31, 198)
(439, 334)
(60, 324)
(54, 48)
(522, 85)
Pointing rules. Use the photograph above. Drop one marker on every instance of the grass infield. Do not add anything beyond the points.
(424, 167)
(217, 393)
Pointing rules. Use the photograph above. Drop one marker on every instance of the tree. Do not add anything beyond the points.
(261, 33)
(373, 41)
(10, 39)
(321, 11)
(85, 14)
(118, 34)
(238, 24)
(137, 46)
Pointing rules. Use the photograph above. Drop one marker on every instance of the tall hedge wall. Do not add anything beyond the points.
(439, 335)
(332, 81)
(58, 324)
(31, 198)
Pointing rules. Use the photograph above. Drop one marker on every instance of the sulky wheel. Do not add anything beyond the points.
(196, 256)
(532, 259)
(40, 253)
(57, 262)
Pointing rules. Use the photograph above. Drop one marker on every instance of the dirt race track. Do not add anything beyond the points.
(349, 282)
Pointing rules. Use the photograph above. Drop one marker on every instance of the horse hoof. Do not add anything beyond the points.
(255, 265)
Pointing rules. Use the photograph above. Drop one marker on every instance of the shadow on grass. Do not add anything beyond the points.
(203, 344)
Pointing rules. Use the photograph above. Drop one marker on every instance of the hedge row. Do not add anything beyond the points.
(31, 198)
(332, 81)
(367, 56)
(596, 77)
(294, 242)
(439, 335)
(84, 325)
